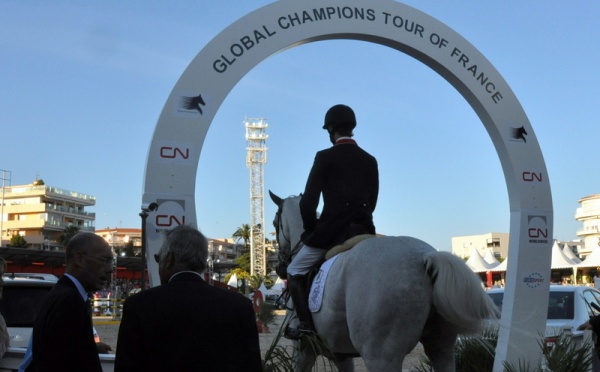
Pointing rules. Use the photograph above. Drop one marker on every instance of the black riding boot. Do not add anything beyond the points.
(298, 287)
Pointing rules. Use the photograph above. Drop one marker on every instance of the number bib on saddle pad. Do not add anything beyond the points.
(315, 297)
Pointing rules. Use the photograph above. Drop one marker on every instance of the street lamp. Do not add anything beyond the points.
(146, 208)
(4, 178)
(210, 269)
(219, 270)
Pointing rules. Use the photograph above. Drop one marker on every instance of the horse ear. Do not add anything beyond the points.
(276, 199)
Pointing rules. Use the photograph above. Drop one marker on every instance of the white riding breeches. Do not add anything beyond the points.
(305, 260)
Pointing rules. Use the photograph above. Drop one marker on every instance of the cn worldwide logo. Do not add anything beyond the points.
(170, 214)
(533, 280)
(537, 229)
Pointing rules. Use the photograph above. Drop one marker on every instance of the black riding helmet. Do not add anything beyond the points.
(340, 116)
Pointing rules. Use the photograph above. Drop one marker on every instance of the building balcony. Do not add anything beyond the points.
(590, 230)
(23, 224)
(49, 192)
(71, 211)
(586, 214)
(35, 239)
(11, 208)
(37, 208)
(39, 224)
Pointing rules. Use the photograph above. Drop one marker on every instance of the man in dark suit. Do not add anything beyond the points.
(185, 324)
(348, 179)
(63, 338)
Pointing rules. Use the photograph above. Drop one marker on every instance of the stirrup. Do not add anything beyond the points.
(297, 333)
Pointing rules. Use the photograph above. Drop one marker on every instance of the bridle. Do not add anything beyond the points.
(284, 255)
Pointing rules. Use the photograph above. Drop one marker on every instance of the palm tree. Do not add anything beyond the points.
(68, 233)
(242, 233)
(256, 280)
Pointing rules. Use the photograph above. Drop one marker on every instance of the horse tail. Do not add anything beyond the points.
(458, 295)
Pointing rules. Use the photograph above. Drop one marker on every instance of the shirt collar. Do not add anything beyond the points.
(82, 291)
(181, 272)
(344, 140)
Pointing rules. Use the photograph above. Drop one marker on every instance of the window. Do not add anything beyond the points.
(20, 304)
(561, 305)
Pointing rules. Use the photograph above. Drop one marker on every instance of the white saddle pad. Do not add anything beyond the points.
(315, 297)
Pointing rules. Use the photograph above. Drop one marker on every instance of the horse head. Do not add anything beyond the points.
(288, 225)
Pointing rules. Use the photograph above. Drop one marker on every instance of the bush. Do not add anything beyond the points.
(266, 314)
(476, 354)
(471, 354)
(18, 241)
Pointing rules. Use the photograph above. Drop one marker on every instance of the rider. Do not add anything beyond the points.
(348, 179)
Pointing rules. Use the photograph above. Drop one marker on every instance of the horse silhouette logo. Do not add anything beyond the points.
(519, 134)
(192, 103)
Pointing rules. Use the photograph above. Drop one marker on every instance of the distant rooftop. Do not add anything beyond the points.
(43, 189)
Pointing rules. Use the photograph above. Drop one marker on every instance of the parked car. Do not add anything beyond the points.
(568, 307)
(23, 296)
(276, 300)
(42, 276)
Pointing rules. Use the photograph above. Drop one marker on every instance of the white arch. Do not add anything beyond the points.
(184, 121)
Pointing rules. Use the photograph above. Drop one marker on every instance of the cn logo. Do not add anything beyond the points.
(532, 176)
(167, 220)
(168, 152)
(536, 233)
(537, 229)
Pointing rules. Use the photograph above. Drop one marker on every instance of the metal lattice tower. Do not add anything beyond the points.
(5, 177)
(256, 158)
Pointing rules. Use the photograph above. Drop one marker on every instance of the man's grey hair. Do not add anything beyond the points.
(188, 246)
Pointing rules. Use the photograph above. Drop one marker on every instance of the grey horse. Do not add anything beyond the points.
(385, 295)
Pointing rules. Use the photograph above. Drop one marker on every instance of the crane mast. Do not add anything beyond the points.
(256, 158)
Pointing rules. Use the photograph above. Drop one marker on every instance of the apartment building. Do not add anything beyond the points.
(119, 238)
(224, 250)
(462, 246)
(40, 213)
(589, 215)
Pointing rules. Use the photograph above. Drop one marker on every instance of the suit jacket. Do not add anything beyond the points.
(348, 178)
(188, 325)
(63, 338)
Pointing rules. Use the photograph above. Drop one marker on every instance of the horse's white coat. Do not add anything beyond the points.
(379, 299)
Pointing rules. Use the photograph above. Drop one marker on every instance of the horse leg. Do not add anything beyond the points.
(438, 341)
(305, 359)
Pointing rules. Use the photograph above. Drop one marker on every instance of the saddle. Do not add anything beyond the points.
(347, 245)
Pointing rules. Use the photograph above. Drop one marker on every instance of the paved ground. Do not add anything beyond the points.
(108, 332)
